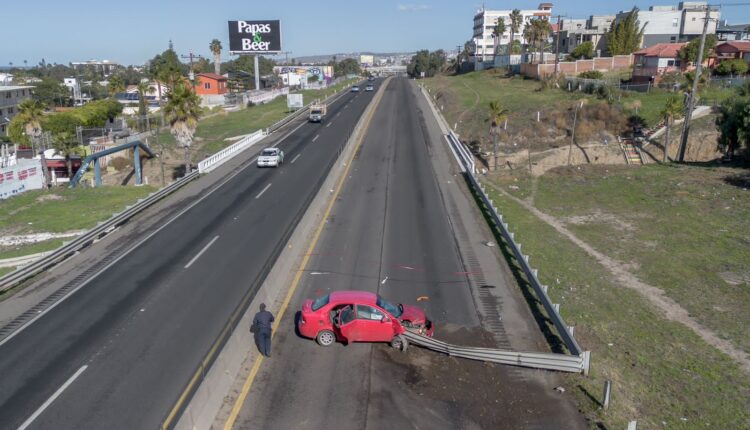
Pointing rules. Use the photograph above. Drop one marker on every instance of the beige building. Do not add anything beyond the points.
(485, 22)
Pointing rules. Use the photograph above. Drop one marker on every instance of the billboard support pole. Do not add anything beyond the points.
(257, 71)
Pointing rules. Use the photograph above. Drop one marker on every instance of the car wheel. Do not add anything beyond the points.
(399, 342)
(325, 338)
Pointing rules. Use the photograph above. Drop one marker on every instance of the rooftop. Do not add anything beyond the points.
(661, 50)
(740, 45)
(14, 87)
(213, 76)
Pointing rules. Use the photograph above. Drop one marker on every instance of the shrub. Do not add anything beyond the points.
(584, 50)
(735, 66)
(591, 74)
(121, 163)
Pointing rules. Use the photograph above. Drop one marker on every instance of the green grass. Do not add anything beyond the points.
(63, 209)
(33, 248)
(664, 376)
(684, 229)
(212, 132)
(5, 270)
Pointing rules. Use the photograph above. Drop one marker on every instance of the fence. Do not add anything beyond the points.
(618, 62)
(225, 154)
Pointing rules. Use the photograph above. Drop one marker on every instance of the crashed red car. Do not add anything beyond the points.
(359, 316)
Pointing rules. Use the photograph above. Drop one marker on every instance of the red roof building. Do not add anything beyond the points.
(652, 62)
(210, 84)
(733, 49)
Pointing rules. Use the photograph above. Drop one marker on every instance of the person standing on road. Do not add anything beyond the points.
(262, 329)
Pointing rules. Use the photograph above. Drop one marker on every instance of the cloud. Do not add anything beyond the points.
(412, 7)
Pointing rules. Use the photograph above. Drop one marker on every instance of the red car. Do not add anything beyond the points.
(359, 316)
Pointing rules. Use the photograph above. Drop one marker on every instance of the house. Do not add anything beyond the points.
(10, 97)
(673, 24)
(733, 49)
(483, 42)
(574, 32)
(733, 32)
(649, 64)
(210, 84)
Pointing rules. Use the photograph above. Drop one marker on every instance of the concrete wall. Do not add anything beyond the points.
(618, 62)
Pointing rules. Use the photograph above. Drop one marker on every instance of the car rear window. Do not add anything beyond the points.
(269, 152)
(320, 302)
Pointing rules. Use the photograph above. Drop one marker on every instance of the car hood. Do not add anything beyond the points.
(414, 314)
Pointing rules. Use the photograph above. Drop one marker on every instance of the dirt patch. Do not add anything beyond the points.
(732, 278)
(46, 197)
(484, 395)
(599, 217)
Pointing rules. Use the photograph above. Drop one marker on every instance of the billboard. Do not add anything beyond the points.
(294, 101)
(294, 75)
(254, 37)
(23, 176)
(366, 60)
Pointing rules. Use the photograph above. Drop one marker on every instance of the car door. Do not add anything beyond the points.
(374, 324)
(347, 324)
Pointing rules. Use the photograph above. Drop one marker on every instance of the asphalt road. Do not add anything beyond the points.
(390, 233)
(118, 352)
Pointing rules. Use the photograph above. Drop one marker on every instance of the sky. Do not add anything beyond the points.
(133, 31)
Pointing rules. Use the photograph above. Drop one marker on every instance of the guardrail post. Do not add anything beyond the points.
(586, 356)
(607, 393)
(571, 329)
(536, 273)
(556, 307)
(545, 288)
(632, 425)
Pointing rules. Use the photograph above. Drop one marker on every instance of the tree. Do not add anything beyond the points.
(497, 34)
(182, 112)
(584, 50)
(143, 89)
(215, 47)
(673, 109)
(426, 62)
(515, 24)
(735, 66)
(689, 52)
(62, 127)
(116, 85)
(734, 123)
(29, 120)
(347, 66)
(624, 37)
(497, 114)
(515, 47)
(51, 92)
(165, 67)
(529, 36)
(541, 30)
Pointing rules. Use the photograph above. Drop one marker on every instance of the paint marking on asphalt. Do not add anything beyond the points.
(295, 158)
(328, 125)
(316, 137)
(49, 401)
(383, 281)
(339, 113)
(297, 277)
(201, 252)
(263, 191)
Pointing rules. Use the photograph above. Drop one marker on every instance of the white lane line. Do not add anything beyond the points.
(263, 191)
(338, 113)
(328, 125)
(316, 137)
(383, 281)
(49, 401)
(295, 158)
(201, 252)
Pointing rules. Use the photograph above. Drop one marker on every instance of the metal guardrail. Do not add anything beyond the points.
(216, 160)
(536, 360)
(466, 160)
(14, 278)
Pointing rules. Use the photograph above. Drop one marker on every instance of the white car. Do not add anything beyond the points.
(271, 157)
(355, 88)
(369, 87)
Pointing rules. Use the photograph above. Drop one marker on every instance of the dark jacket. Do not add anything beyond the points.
(263, 320)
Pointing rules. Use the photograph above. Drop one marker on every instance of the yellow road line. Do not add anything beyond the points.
(295, 282)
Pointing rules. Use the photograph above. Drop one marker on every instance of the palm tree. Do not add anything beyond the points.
(497, 34)
(116, 85)
(497, 114)
(143, 88)
(529, 36)
(66, 144)
(215, 47)
(31, 113)
(673, 109)
(542, 31)
(515, 24)
(183, 111)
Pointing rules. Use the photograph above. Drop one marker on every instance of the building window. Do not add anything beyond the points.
(207, 85)
(673, 39)
(693, 18)
(675, 22)
(677, 63)
(670, 63)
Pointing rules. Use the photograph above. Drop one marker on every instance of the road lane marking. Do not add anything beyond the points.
(298, 276)
(263, 191)
(295, 158)
(383, 281)
(49, 401)
(316, 137)
(339, 113)
(328, 125)
(201, 252)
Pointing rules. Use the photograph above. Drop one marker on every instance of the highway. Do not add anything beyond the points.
(119, 351)
(391, 232)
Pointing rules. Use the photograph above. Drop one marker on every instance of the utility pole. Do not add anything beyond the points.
(257, 72)
(694, 90)
(557, 47)
(191, 56)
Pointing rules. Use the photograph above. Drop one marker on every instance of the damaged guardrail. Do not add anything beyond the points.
(468, 167)
(536, 360)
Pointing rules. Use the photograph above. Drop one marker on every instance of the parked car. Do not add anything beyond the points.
(270, 157)
(359, 316)
(355, 88)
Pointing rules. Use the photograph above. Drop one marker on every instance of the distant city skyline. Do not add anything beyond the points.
(132, 33)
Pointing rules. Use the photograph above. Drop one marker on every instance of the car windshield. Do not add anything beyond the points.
(320, 302)
(269, 152)
(392, 309)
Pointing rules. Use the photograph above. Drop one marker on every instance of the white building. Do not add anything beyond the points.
(10, 97)
(107, 67)
(672, 24)
(486, 20)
